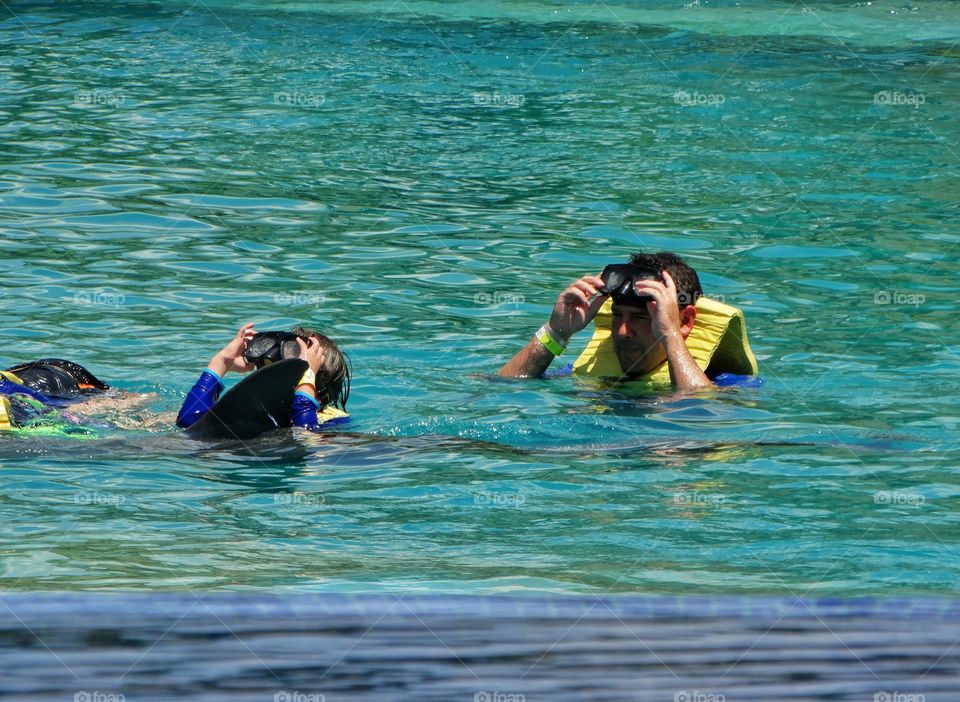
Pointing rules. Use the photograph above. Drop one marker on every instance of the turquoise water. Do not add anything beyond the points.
(420, 180)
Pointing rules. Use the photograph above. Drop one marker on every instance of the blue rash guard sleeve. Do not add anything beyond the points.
(305, 414)
(202, 396)
(304, 410)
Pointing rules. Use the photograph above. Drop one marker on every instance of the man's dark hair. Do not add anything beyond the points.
(333, 380)
(688, 284)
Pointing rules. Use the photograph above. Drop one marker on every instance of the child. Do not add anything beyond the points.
(321, 395)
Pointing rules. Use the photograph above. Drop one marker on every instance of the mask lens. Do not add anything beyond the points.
(616, 277)
(619, 280)
(264, 348)
(645, 274)
(290, 348)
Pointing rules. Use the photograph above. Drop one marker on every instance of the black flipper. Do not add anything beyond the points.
(260, 402)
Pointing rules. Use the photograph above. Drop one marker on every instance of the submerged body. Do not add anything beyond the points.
(24, 405)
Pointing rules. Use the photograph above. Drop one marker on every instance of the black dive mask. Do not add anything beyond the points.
(269, 347)
(620, 280)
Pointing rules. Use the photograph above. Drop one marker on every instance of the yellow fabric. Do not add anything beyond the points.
(718, 339)
(11, 377)
(309, 378)
(330, 413)
(6, 414)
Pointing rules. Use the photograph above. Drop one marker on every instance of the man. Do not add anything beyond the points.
(654, 312)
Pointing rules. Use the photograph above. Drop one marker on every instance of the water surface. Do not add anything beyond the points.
(420, 180)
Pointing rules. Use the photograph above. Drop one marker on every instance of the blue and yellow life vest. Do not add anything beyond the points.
(718, 340)
(330, 414)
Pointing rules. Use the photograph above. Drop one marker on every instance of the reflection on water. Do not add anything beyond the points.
(169, 174)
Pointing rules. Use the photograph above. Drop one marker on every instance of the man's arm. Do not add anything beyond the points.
(530, 362)
(573, 311)
(672, 331)
(685, 374)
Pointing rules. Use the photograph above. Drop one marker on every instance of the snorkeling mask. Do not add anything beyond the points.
(269, 347)
(620, 281)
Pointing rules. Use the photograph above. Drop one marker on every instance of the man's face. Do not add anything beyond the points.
(638, 350)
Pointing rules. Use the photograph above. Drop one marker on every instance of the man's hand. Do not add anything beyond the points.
(574, 309)
(230, 357)
(665, 323)
(664, 310)
(311, 353)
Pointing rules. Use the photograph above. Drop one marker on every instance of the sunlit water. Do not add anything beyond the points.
(420, 180)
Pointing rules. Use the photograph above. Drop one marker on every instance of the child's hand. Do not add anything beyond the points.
(230, 357)
(311, 353)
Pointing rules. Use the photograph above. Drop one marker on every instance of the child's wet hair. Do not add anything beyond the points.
(333, 379)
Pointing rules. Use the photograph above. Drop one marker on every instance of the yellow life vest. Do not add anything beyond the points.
(718, 339)
(6, 413)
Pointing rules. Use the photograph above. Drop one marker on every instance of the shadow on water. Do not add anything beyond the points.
(290, 449)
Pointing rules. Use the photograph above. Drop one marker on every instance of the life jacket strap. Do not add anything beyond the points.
(6, 413)
(13, 378)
